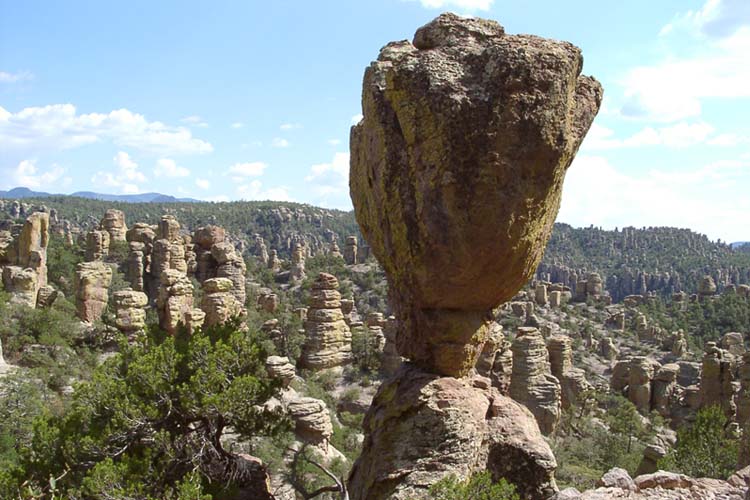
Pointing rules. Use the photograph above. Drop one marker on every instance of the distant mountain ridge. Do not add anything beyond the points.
(22, 192)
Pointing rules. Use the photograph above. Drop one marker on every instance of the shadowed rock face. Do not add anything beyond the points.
(457, 170)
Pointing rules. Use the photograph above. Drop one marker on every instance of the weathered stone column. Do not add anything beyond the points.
(456, 176)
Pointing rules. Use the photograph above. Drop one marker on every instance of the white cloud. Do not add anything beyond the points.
(237, 125)
(254, 191)
(461, 4)
(166, 167)
(195, 121)
(248, 169)
(26, 174)
(674, 88)
(595, 192)
(357, 118)
(334, 142)
(680, 135)
(59, 126)
(330, 182)
(21, 76)
(124, 178)
(278, 142)
(203, 183)
(716, 18)
(290, 126)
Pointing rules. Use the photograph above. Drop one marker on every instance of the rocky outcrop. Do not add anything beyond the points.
(456, 197)
(231, 265)
(23, 259)
(665, 389)
(274, 264)
(97, 245)
(174, 305)
(659, 485)
(641, 374)
(572, 380)
(279, 367)
(114, 223)
(218, 302)
(130, 312)
(707, 287)
(350, 250)
(478, 430)
(92, 281)
(532, 383)
(496, 360)
(312, 422)
(743, 398)
(716, 379)
(297, 271)
(328, 340)
(733, 343)
(22, 284)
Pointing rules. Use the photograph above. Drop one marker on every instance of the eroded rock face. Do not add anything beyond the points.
(280, 368)
(350, 250)
(532, 383)
(218, 302)
(23, 259)
(312, 421)
(572, 380)
(174, 304)
(716, 379)
(97, 245)
(422, 426)
(92, 289)
(457, 170)
(328, 340)
(130, 312)
(114, 223)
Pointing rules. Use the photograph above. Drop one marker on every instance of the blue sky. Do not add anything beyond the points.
(254, 100)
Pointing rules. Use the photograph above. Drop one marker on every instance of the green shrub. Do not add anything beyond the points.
(479, 487)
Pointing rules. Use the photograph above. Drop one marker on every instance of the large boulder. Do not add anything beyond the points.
(457, 170)
(422, 427)
(91, 286)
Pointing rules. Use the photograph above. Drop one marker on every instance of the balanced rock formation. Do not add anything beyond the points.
(114, 223)
(92, 281)
(218, 302)
(312, 422)
(456, 177)
(130, 312)
(641, 374)
(328, 340)
(432, 198)
(532, 383)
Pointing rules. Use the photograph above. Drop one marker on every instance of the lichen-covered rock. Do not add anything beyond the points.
(91, 286)
(114, 223)
(130, 312)
(297, 271)
(27, 255)
(328, 340)
(218, 302)
(734, 343)
(422, 427)
(46, 297)
(457, 170)
(532, 383)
